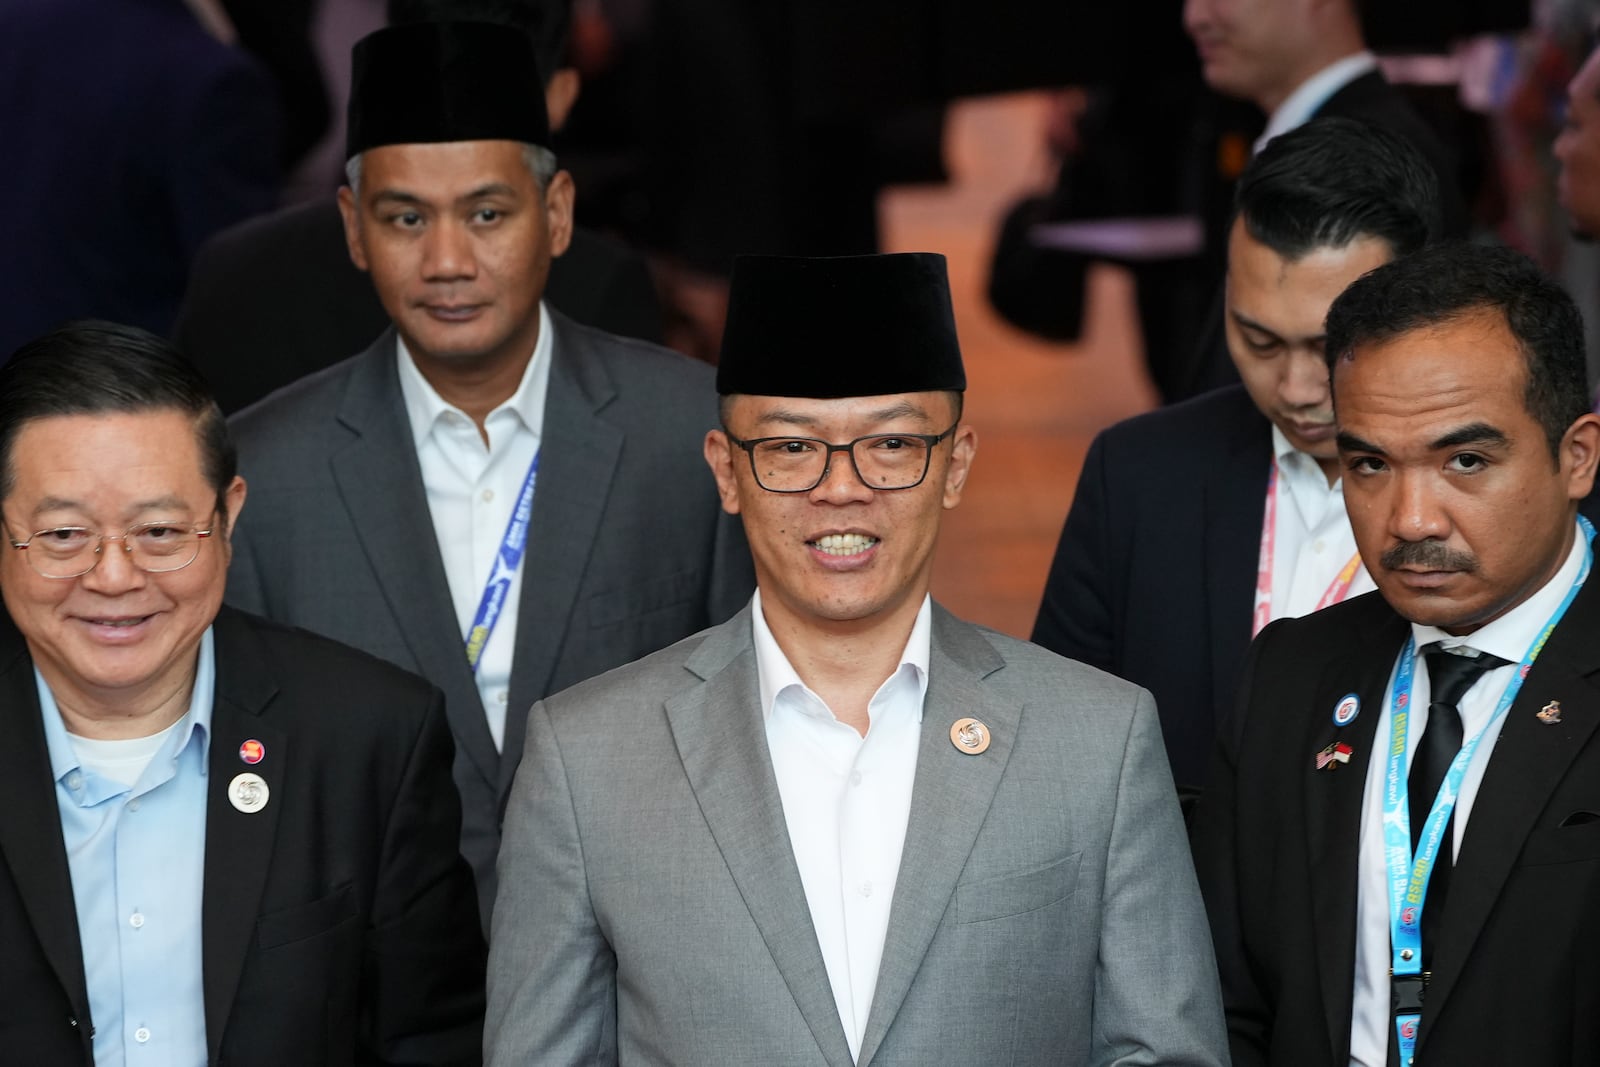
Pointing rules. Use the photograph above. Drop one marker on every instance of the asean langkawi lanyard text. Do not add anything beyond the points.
(492, 604)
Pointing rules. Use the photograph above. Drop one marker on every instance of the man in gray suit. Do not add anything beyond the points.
(492, 495)
(845, 826)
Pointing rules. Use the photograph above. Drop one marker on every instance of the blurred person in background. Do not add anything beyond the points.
(132, 134)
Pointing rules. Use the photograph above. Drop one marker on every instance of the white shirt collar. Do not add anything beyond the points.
(776, 673)
(1512, 634)
(1299, 106)
(1300, 466)
(1284, 451)
(425, 407)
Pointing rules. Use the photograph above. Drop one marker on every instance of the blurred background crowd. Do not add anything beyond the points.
(1073, 160)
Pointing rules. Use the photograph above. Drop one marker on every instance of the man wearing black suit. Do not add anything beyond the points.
(1195, 524)
(1398, 845)
(221, 840)
(1297, 60)
(276, 298)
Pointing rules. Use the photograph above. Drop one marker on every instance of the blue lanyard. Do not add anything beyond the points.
(1408, 876)
(506, 563)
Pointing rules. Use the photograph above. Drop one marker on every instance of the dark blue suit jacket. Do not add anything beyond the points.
(130, 136)
(1154, 577)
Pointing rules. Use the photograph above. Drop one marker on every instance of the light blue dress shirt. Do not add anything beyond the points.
(137, 858)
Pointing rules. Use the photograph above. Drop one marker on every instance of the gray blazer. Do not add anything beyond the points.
(651, 912)
(628, 549)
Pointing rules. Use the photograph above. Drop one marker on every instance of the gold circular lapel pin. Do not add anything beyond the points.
(969, 736)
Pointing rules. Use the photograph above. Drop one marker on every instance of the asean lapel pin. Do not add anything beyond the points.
(1345, 712)
(248, 792)
(969, 736)
(1550, 714)
(1336, 754)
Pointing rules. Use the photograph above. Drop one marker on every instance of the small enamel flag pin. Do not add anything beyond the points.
(1331, 757)
(1550, 714)
(252, 751)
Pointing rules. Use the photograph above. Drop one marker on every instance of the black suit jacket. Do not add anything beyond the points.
(1371, 99)
(1517, 978)
(1154, 576)
(276, 298)
(339, 923)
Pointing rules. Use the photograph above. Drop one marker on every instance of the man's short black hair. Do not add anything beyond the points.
(95, 368)
(1334, 181)
(548, 23)
(1443, 283)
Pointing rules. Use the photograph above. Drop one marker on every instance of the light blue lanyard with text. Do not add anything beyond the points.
(1408, 876)
(506, 563)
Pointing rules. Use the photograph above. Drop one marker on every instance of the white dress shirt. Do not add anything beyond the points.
(472, 489)
(1299, 106)
(1312, 539)
(846, 800)
(1509, 637)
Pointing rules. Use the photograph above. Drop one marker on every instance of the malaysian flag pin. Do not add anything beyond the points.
(1331, 757)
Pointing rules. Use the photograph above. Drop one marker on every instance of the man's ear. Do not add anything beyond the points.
(1580, 452)
(233, 504)
(963, 450)
(559, 197)
(719, 457)
(350, 211)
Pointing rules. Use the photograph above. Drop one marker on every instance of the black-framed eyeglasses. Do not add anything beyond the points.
(73, 551)
(881, 460)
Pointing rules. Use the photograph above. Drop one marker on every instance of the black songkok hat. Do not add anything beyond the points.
(837, 327)
(429, 82)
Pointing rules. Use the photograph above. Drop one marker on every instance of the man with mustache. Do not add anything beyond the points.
(1195, 525)
(1400, 841)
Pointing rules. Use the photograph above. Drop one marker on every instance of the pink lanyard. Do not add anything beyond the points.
(1269, 535)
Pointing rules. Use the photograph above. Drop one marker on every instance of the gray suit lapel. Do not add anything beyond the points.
(578, 454)
(949, 802)
(381, 484)
(721, 740)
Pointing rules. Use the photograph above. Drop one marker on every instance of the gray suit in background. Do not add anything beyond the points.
(628, 550)
(1046, 911)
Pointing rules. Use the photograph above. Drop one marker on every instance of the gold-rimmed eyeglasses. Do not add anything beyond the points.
(885, 461)
(73, 551)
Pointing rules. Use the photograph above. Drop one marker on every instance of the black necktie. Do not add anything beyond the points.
(1449, 677)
